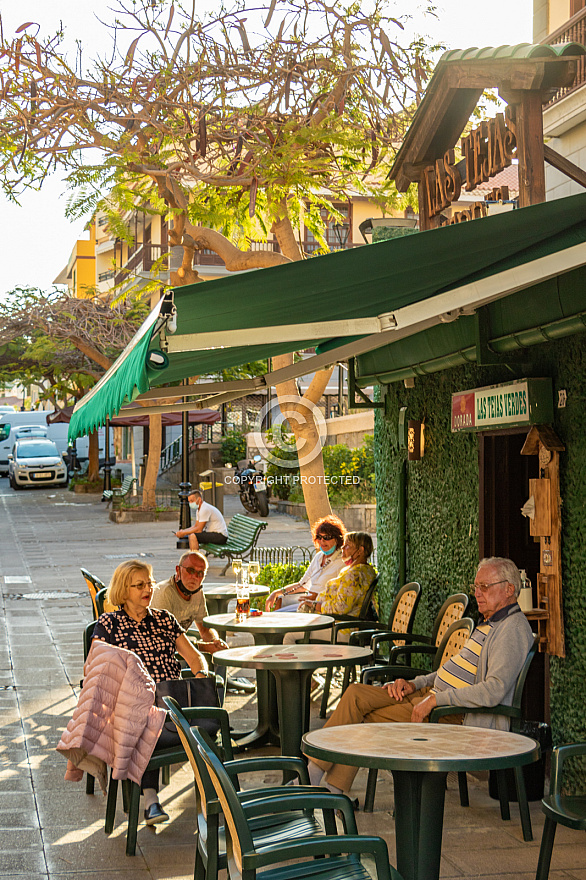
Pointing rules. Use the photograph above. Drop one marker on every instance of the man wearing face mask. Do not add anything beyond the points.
(182, 595)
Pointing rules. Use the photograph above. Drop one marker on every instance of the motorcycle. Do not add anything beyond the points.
(254, 492)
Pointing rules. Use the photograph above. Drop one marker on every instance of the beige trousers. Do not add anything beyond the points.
(363, 703)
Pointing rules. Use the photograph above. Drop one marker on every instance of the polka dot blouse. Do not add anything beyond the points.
(153, 639)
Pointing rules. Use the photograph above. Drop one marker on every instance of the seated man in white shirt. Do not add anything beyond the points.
(209, 527)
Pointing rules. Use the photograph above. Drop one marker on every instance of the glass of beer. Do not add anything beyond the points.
(242, 602)
(253, 571)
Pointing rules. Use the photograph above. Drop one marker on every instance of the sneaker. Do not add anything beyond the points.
(155, 814)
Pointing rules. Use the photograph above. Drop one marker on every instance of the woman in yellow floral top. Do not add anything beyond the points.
(343, 594)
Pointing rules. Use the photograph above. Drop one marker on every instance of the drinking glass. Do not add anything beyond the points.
(253, 571)
(243, 596)
(236, 568)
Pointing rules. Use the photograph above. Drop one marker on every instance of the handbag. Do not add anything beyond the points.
(190, 692)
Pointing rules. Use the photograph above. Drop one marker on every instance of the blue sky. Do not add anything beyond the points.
(41, 219)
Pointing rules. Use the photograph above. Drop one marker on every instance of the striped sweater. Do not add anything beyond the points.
(499, 648)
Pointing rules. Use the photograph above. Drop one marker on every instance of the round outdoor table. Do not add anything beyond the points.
(268, 628)
(217, 596)
(420, 756)
(291, 666)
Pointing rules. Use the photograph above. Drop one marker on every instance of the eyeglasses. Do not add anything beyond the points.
(196, 572)
(324, 538)
(484, 588)
(142, 584)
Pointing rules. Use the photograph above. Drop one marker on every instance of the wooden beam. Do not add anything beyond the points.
(436, 131)
(510, 73)
(453, 93)
(564, 165)
(530, 149)
(551, 563)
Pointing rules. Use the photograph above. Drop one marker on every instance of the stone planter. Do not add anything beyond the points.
(356, 517)
(135, 515)
(86, 489)
(289, 507)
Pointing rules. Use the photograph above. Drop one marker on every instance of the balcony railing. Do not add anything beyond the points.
(106, 276)
(142, 259)
(206, 257)
(573, 31)
(311, 247)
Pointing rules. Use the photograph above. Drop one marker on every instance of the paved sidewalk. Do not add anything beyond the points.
(50, 828)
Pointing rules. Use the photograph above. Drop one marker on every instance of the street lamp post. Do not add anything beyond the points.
(107, 469)
(342, 234)
(184, 485)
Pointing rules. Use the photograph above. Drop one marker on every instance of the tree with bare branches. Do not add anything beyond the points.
(234, 124)
(63, 344)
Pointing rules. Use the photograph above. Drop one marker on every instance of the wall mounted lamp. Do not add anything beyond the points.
(415, 440)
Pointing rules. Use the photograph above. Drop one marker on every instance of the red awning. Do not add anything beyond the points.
(196, 417)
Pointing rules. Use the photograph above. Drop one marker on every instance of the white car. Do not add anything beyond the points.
(34, 462)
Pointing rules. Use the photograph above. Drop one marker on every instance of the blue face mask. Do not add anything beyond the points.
(329, 552)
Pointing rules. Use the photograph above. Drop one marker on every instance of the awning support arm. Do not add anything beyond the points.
(365, 402)
(242, 385)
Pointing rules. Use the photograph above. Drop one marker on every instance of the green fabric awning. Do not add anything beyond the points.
(126, 378)
(547, 311)
(365, 296)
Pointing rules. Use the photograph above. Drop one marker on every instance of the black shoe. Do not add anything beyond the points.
(155, 814)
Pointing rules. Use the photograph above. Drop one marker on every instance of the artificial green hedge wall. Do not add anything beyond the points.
(442, 503)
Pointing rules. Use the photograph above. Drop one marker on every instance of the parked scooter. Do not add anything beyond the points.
(252, 487)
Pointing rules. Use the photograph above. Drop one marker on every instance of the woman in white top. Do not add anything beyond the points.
(328, 534)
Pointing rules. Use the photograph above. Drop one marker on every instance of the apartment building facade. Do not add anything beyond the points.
(564, 117)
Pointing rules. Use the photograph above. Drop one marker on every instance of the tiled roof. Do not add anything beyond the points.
(521, 50)
(508, 177)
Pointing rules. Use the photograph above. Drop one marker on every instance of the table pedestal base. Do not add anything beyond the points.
(266, 731)
(419, 819)
(293, 692)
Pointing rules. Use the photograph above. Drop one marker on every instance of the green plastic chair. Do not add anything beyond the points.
(94, 584)
(161, 759)
(454, 638)
(102, 604)
(514, 713)
(562, 809)
(211, 847)
(246, 859)
(366, 616)
(401, 617)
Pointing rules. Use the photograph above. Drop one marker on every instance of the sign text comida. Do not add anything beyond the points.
(488, 149)
(523, 402)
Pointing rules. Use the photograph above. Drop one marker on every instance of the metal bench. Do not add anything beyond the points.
(119, 493)
(243, 534)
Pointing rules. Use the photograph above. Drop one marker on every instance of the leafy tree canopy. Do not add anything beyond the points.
(241, 119)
